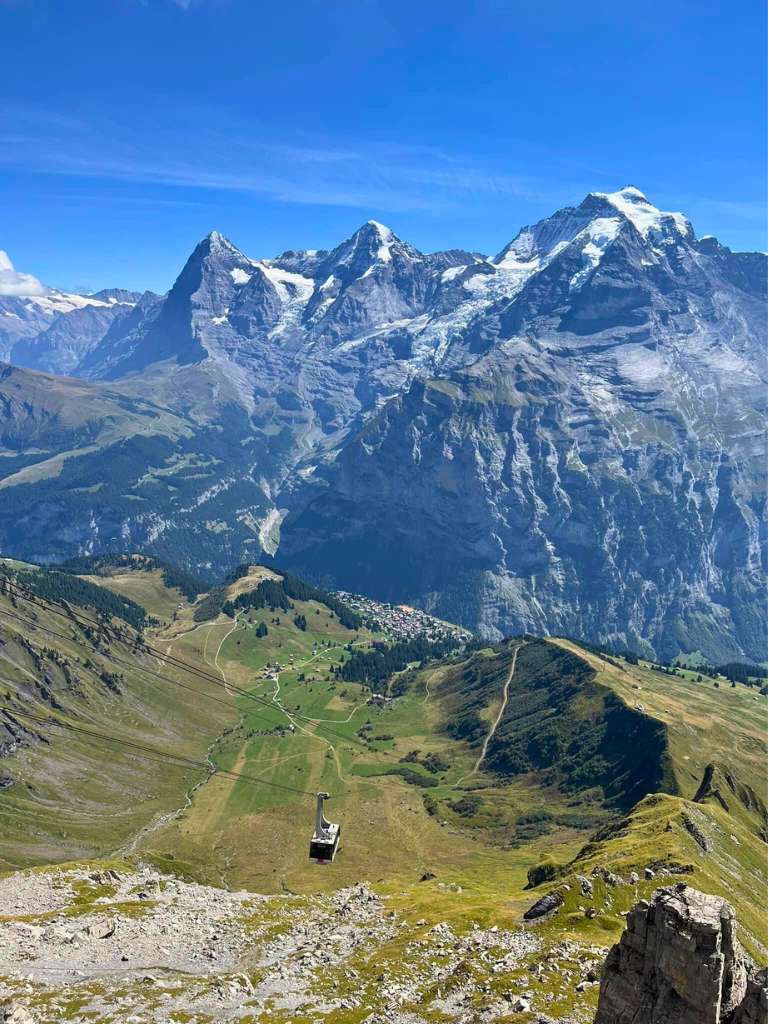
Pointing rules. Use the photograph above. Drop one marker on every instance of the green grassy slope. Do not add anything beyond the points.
(711, 825)
(561, 723)
(68, 795)
(465, 792)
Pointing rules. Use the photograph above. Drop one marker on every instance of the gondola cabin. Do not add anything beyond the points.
(325, 839)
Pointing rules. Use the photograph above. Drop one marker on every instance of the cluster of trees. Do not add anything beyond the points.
(274, 594)
(268, 594)
(467, 806)
(741, 672)
(60, 587)
(373, 668)
(299, 590)
(211, 605)
(414, 778)
(433, 762)
(98, 565)
(468, 726)
(734, 671)
(238, 573)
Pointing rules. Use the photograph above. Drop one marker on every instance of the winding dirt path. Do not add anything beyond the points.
(170, 641)
(316, 721)
(166, 819)
(216, 665)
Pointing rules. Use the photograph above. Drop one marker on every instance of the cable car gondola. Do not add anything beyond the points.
(325, 840)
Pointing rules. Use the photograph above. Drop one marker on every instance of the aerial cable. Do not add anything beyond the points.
(122, 661)
(174, 662)
(152, 753)
(18, 590)
(175, 682)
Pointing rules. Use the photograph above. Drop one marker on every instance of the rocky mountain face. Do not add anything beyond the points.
(679, 962)
(567, 437)
(595, 469)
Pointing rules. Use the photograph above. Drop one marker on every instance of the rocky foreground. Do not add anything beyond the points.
(139, 947)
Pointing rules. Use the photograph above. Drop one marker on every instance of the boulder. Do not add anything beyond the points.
(587, 889)
(679, 962)
(14, 1013)
(103, 928)
(548, 904)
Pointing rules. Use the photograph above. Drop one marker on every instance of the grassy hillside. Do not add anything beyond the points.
(467, 788)
(710, 827)
(560, 723)
(66, 793)
(63, 663)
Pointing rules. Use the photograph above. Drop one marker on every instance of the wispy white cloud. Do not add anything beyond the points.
(205, 154)
(369, 174)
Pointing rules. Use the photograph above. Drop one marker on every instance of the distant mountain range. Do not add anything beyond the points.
(46, 329)
(568, 437)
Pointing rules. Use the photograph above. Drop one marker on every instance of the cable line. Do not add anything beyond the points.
(179, 760)
(176, 662)
(230, 705)
(122, 661)
(29, 595)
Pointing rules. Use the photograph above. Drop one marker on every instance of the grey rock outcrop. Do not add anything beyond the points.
(547, 905)
(753, 1008)
(679, 962)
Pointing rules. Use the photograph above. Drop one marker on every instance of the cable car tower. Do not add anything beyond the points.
(325, 840)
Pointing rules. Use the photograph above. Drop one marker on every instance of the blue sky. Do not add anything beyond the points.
(129, 129)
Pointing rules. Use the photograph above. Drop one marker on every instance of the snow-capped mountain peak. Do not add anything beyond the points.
(385, 238)
(371, 243)
(373, 239)
(647, 218)
(215, 238)
(384, 233)
(216, 244)
(544, 423)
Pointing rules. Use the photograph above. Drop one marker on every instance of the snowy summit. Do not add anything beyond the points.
(646, 217)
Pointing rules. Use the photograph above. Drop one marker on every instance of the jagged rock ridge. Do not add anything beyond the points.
(679, 962)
